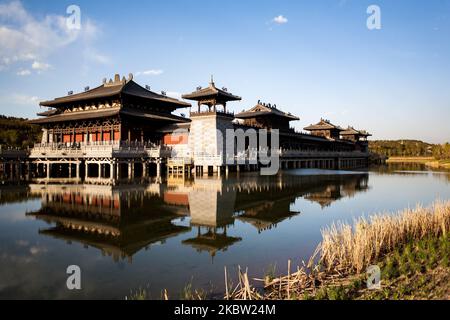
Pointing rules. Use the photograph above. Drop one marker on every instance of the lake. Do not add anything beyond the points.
(157, 236)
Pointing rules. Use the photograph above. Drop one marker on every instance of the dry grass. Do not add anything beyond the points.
(409, 159)
(352, 249)
(347, 250)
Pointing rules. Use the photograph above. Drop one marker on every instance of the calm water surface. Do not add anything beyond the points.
(156, 236)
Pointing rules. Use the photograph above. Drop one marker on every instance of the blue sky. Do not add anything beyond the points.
(312, 58)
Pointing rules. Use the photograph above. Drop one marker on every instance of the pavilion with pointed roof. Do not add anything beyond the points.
(324, 128)
(266, 116)
(211, 96)
(354, 135)
(116, 97)
(94, 129)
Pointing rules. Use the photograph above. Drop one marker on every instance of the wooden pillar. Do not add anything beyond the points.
(111, 170)
(144, 169)
(48, 169)
(158, 169)
(129, 170)
(28, 170)
(70, 170)
(77, 169)
(11, 171)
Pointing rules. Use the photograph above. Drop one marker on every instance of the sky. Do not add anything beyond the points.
(315, 59)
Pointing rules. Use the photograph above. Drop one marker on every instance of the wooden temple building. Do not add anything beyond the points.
(121, 130)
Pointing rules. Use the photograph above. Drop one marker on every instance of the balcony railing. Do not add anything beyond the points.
(6, 152)
(211, 112)
(100, 149)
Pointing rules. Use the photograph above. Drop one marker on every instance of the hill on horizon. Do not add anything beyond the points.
(18, 133)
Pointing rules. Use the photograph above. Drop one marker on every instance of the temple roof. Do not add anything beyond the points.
(92, 114)
(211, 92)
(350, 131)
(212, 242)
(323, 125)
(48, 113)
(265, 110)
(115, 88)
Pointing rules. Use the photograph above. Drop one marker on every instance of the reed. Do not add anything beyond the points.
(347, 250)
(351, 249)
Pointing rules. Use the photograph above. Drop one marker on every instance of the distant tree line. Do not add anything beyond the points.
(18, 133)
(410, 148)
(442, 152)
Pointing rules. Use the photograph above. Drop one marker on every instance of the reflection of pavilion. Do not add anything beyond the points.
(122, 220)
(211, 207)
(212, 241)
(342, 186)
(268, 214)
(119, 222)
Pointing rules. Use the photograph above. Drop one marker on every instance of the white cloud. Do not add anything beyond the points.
(25, 38)
(92, 55)
(23, 99)
(37, 250)
(40, 66)
(280, 19)
(152, 72)
(23, 72)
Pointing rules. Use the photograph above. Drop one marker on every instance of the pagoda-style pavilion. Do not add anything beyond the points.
(208, 127)
(266, 116)
(358, 137)
(355, 135)
(105, 128)
(117, 110)
(211, 97)
(121, 130)
(324, 128)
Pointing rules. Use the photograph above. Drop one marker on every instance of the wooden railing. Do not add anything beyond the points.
(99, 149)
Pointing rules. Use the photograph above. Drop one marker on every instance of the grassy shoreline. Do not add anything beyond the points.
(440, 164)
(422, 160)
(427, 161)
(418, 270)
(411, 248)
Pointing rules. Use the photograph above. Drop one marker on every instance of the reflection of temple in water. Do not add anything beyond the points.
(119, 222)
(211, 207)
(122, 220)
(337, 188)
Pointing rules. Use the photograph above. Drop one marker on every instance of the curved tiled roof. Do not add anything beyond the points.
(211, 92)
(263, 110)
(323, 125)
(350, 131)
(120, 87)
(84, 115)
